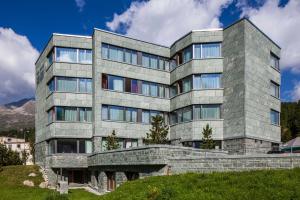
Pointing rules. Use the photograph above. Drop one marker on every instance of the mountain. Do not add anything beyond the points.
(18, 103)
(17, 115)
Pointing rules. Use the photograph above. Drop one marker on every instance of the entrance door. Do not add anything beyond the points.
(76, 176)
(111, 181)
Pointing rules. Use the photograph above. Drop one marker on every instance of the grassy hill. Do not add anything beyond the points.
(254, 185)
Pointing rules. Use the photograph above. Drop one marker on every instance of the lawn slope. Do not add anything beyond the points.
(253, 185)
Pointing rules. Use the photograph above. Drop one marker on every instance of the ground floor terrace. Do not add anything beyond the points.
(104, 171)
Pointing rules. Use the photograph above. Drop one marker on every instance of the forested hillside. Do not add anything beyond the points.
(290, 120)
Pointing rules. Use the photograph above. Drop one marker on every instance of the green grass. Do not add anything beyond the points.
(254, 185)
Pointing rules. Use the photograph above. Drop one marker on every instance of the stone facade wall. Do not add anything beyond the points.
(234, 163)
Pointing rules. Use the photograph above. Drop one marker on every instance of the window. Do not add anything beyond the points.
(85, 114)
(187, 84)
(187, 54)
(274, 117)
(145, 60)
(274, 87)
(69, 84)
(153, 90)
(187, 114)
(145, 88)
(212, 50)
(66, 84)
(119, 54)
(210, 112)
(104, 112)
(134, 86)
(85, 85)
(145, 116)
(85, 56)
(66, 54)
(67, 146)
(153, 62)
(51, 115)
(274, 61)
(70, 114)
(85, 146)
(131, 115)
(116, 113)
(51, 85)
(116, 83)
(209, 81)
(195, 112)
(50, 57)
(197, 51)
(104, 51)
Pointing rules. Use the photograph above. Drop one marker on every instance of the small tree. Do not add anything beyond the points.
(24, 157)
(9, 157)
(207, 141)
(112, 141)
(159, 131)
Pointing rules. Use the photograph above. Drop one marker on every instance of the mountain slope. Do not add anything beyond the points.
(17, 115)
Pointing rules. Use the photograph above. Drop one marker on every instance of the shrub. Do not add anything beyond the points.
(9, 157)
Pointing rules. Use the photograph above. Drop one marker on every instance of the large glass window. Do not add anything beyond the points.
(274, 61)
(187, 84)
(146, 117)
(210, 112)
(209, 81)
(104, 51)
(197, 51)
(66, 54)
(69, 84)
(116, 113)
(153, 62)
(187, 54)
(67, 146)
(66, 84)
(116, 83)
(145, 60)
(212, 50)
(71, 114)
(85, 56)
(153, 90)
(131, 115)
(73, 55)
(133, 86)
(195, 112)
(146, 88)
(274, 87)
(70, 146)
(274, 117)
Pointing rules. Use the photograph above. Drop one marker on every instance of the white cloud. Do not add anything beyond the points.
(17, 58)
(296, 92)
(80, 4)
(165, 21)
(282, 24)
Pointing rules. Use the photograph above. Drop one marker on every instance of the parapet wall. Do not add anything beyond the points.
(234, 163)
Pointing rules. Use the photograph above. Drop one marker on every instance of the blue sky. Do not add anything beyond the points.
(25, 26)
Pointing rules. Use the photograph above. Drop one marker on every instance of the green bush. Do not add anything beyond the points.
(56, 196)
(9, 157)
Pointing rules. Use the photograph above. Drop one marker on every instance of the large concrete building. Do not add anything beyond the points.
(88, 86)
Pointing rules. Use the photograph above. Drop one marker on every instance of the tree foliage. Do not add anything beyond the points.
(9, 157)
(158, 132)
(207, 141)
(290, 120)
(112, 141)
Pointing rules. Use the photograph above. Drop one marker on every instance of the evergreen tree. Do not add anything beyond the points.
(158, 132)
(112, 141)
(9, 157)
(207, 141)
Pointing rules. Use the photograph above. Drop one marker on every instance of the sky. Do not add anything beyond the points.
(26, 26)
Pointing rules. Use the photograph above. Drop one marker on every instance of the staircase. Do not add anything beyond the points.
(44, 175)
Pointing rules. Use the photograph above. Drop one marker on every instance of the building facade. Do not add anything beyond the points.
(18, 145)
(88, 86)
